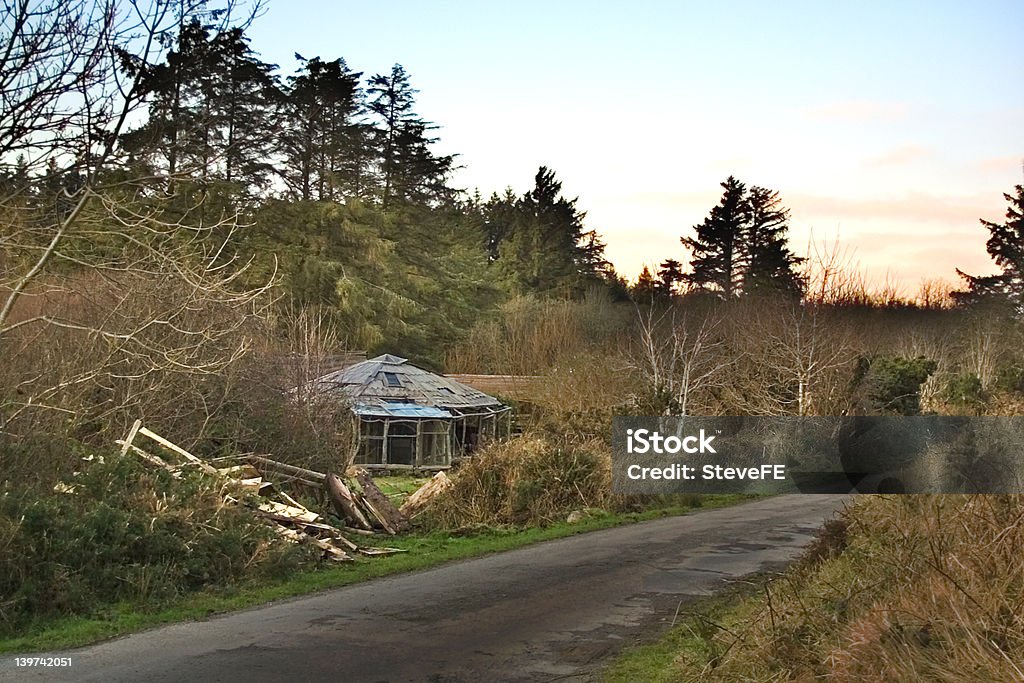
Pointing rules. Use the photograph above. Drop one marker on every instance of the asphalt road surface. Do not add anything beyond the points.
(552, 611)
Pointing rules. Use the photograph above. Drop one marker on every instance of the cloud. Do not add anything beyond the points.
(913, 207)
(857, 110)
(1000, 164)
(899, 156)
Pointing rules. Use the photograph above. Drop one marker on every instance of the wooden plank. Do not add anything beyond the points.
(294, 536)
(374, 552)
(345, 504)
(419, 499)
(151, 459)
(381, 520)
(209, 469)
(382, 505)
(127, 443)
(311, 475)
(299, 514)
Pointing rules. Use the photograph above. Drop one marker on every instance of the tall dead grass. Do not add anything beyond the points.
(530, 479)
(910, 588)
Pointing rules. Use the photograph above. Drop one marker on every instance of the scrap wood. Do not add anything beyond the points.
(417, 502)
(289, 512)
(345, 503)
(380, 504)
(310, 477)
(148, 457)
(174, 448)
(245, 471)
(374, 552)
(378, 517)
(365, 508)
(294, 536)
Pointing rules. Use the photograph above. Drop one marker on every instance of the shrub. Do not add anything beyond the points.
(126, 534)
(894, 384)
(527, 480)
(964, 390)
(1011, 378)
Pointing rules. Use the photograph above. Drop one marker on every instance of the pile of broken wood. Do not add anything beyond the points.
(258, 483)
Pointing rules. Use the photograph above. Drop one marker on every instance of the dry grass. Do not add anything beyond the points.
(904, 588)
(528, 480)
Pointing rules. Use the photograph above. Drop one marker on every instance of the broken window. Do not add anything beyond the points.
(392, 380)
(401, 442)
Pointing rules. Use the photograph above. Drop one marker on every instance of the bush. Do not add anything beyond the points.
(964, 390)
(1011, 378)
(527, 480)
(126, 534)
(894, 384)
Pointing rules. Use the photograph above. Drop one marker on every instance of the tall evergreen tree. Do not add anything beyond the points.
(741, 247)
(408, 169)
(716, 249)
(212, 111)
(645, 289)
(325, 144)
(769, 264)
(1006, 247)
(670, 275)
(544, 246)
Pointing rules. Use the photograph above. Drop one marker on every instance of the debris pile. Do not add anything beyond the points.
(421, 497)
(258, 483)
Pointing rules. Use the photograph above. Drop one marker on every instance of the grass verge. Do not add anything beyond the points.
(689, 641)
(898, 588)
(425, 550)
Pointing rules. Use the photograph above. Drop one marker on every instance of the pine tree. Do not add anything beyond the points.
(212, 111)
(1006, 247)
(543, 245)
(408, 169)
(670, 275)
(645, 289)
(325, 145)
(716, 249)
(741, 247)
(770, 265)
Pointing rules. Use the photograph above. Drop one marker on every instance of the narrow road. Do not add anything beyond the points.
(556, 610)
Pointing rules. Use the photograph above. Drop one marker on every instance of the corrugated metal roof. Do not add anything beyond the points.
(401, 410)
(391, 379)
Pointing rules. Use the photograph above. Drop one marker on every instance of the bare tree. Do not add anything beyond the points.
(100, 273)
(677, 359)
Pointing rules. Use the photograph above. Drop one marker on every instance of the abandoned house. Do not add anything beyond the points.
(411, 418)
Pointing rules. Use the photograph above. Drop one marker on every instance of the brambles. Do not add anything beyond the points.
(126, 534)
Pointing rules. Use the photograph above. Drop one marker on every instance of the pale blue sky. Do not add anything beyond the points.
(894, 125)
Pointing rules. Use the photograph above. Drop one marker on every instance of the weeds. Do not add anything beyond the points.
(900, 588)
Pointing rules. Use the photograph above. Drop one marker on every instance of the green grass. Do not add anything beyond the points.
(689, 648)
(424, 550)
(398, 487)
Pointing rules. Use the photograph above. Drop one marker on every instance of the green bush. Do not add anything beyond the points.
(126, 534)
(894, 383)
(1011, 378)
(964, 390)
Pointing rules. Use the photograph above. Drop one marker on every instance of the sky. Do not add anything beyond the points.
(888, 128)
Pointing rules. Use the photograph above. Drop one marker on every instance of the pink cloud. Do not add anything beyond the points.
(1001, 164)
(900, 156)
(915, 207)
